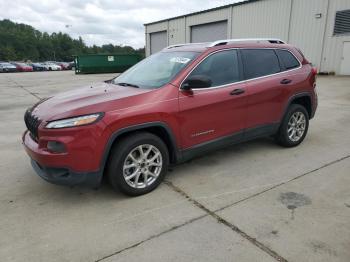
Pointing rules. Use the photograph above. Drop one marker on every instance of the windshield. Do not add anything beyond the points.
(156, 70)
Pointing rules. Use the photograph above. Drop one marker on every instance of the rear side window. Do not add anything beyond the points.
(221, 67)
(287, 59)
(260, 62)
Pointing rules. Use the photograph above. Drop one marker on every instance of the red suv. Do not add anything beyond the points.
(179, 103)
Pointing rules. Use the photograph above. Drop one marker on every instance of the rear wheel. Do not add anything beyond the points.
(294, 126)
(138, 164)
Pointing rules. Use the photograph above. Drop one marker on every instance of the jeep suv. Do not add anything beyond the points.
(174, 105)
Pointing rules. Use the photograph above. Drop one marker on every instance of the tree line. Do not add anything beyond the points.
(21, 42)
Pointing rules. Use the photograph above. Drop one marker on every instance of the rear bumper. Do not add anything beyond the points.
(314, 104)
(65, 176)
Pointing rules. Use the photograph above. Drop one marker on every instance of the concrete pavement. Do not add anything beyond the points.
(250, 202)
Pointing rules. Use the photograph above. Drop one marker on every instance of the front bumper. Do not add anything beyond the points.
(66, 177)
(9, 70)
(70, 168)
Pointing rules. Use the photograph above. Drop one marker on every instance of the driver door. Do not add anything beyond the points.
(217, 111)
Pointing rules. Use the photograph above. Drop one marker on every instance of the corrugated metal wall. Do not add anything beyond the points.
(268, 18)
(306, 24)
(177, 32)
(306, 30)
(333, 45)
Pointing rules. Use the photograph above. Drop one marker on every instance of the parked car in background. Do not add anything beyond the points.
(174, 105)
(7, 67)
(50, 66)
(71, 65)
(22, 67)
(63, 65)
(38, 67)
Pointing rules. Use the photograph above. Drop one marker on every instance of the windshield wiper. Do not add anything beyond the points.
(127, 84)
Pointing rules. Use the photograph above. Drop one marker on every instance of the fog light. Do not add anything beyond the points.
(56, 147)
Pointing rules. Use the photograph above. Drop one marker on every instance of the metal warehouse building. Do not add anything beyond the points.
(321, 28)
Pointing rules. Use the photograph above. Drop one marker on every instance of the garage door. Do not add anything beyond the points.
(209, 32)
(158, 41)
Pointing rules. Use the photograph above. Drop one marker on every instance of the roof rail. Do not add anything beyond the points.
(227, 41)
(257, 40)
(186, 44)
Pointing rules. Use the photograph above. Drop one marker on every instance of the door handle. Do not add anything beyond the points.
(285, 81)
(237, 92)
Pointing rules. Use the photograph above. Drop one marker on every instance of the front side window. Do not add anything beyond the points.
(156, 70)
(221, 68)
(288, 60)
(260, 62)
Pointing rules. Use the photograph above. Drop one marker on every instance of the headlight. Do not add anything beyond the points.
(75, 121)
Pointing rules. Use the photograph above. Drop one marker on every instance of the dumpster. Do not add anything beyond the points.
(105, 63)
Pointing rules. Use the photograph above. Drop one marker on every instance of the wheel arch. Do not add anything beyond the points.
(161, 129)
(303, 99)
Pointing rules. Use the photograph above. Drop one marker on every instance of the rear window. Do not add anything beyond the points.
(287, 59)
(260, 62)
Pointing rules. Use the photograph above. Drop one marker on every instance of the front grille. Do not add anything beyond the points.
(32, 123)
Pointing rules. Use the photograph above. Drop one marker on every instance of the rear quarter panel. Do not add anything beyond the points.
(302, 84)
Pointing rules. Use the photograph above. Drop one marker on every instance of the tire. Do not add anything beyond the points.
(125, 161)
(296, 120)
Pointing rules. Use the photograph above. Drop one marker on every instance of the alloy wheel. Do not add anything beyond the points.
(296, 126)
(142, 166)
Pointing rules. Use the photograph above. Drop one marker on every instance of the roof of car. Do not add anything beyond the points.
(230, 43)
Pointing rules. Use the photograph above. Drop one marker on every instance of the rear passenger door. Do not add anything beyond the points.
(267, 90)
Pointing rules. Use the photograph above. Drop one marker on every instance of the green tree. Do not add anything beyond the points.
(23, 42)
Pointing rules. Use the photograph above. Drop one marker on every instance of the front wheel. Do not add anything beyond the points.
(294, 126)
(138, 164)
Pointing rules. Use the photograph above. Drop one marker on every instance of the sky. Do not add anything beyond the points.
(100, 21)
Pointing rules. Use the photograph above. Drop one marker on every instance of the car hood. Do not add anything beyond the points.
(101, 97)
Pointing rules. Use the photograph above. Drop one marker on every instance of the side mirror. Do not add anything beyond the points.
(196, 81)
